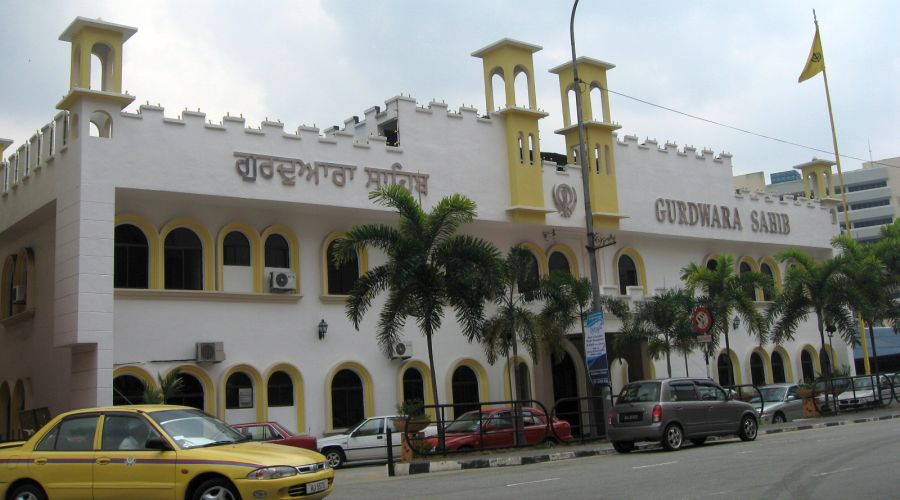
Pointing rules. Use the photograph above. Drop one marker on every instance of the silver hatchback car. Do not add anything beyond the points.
(674, 410)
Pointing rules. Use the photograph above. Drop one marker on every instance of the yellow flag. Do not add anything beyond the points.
(815, 63)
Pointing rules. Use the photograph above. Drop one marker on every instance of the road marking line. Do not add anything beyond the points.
(654, 465)
(743, 452)
(833, 472)
(532, 482)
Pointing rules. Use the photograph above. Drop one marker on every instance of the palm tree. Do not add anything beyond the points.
(170, 386)
(664, 322)
(428, 268)
(872, 288)
(817, 287)
(726, 292)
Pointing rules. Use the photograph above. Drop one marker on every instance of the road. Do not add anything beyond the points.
(850, 461)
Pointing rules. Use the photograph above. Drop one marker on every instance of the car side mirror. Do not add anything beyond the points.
(791, 397)
(157, 443)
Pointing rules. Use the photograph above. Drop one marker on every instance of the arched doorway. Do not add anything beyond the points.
(191, 392)
(726, 373)
(806, 366)
(465, 390)
(413, 385)
(757, 370)
(347, 405)
(128, 390)
(778, 375)
(565, 386)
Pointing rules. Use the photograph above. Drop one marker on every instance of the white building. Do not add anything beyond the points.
(138, 242)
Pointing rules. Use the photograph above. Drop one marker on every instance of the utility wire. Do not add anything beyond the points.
(745, 131)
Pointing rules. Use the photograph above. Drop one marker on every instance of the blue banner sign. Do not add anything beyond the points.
(595, 349)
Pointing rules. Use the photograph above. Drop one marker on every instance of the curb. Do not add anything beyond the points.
(409, 469)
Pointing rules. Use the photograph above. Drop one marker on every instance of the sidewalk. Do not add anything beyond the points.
(527, 456)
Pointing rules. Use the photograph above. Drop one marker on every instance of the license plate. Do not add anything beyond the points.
(316, 486)
(629, 417)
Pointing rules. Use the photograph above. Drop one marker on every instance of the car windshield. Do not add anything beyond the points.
(193, 428)
(862, 383)
(467, 422)
(640, 392)
(770, 394)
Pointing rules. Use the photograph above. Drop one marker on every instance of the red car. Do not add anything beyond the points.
(494, 428)
(273, 432)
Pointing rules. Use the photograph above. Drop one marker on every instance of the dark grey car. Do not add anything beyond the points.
(674, 410)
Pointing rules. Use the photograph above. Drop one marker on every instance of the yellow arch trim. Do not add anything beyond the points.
(293, 242)
(253, 236)
(362, 258)
(149, 230)
(5, 402)
(754, 266)
(18, 400)
(205, 240)
(738, 374)
(835, 362)
(506, 371)
(299, 397)
(776, 270)
(209, 392)
(767, 364)
(24, 275)
(426, 380)
(136, 371)
(815, 357)
(786, 359)
(258, 399)
(539, 256)
(483, 386)
(6, 281)
(368, 390)
(570, 255)
(638, 261)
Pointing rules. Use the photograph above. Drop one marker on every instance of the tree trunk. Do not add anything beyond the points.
(687, 372)
(731, 378)
(668, 361)
(438, 412)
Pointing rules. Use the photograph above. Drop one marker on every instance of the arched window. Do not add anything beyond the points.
(531, 149)
(347, 407)
(559, 262)
(628, 275)
(597, 165)
(102, 68)
(413, 385)
(778, 375)
(128, 390)
(726, 371)
(238, 391)
(534, 272)
(745, 268)
(9, 292)
(341, 278)
(191, 392)
(806, 366)
(131, 259)
(521, 87)
(757, 369)
(281, 389)
(498, 90)
(573, 110)
(236, 249)
(278, 252)
(465, 390)
(183, 260)
(521, 148)
(765, 269)
(523, 382)
(101, 125)
(712, 264)
(596, 104)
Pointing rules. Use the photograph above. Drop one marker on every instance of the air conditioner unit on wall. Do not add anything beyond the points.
(282, 280)
(210, 352)
(401, 350)
(18, 294)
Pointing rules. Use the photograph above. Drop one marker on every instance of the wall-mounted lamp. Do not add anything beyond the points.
(735, 323)
(323, 329)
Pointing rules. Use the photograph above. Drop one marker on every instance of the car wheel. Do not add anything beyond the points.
(673, 437)
(216, 489)
(778, 419)
(28, 492)
(334, 457)
(623, 446)
(699, 441)
(748, 428)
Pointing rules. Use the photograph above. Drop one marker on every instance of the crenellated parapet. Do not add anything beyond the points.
(670, 148)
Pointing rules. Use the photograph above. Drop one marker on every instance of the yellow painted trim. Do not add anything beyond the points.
(738, 374)
(368, 391)
(362, 259)
(209, 389)
(638, 261)
(253, 239)
(299, 391)
(258, 398)
(539, 256)
(817, 369)
(570, 255)
(205, 240)
(767, 364)
(776, 270)
(480, 373)
(294, 245)
(506, 368)
(136, 371)
(154, 257)
(835, 361)
(6, 281)
(754, 266)
(786, 360)
(426, 381)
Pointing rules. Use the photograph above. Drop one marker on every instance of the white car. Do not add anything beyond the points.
(366, 441)
(862, 392)
(779, 403)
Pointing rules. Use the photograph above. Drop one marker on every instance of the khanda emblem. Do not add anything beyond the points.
(564, 197)
(816, 57)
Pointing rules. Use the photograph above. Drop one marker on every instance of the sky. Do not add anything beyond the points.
(311, 62)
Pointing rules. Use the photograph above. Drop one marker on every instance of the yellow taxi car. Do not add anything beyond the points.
(153, 452)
